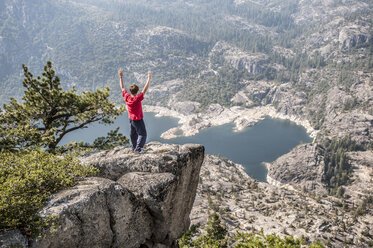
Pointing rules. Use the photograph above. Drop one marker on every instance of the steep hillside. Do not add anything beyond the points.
(187, 40)
(247, 205)
(87, 44)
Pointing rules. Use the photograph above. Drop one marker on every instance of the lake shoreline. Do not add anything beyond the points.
(190, 124)
(266, 141)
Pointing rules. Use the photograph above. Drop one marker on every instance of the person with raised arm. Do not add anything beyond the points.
(135, 114)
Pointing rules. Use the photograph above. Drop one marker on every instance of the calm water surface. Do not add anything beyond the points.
(264, 142)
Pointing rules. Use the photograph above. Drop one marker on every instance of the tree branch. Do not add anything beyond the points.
(75, 128)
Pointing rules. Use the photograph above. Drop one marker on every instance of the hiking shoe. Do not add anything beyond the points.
(140, 151)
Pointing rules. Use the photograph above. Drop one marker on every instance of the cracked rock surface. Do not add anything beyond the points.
(98, 212)
(147, 207)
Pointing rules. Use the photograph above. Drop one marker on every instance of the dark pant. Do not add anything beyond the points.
(138, 134)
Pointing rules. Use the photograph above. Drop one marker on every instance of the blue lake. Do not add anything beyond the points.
(264, 142)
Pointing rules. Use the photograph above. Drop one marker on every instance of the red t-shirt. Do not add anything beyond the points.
(134, 106)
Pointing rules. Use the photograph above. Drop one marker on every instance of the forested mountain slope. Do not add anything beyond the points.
(237, 40)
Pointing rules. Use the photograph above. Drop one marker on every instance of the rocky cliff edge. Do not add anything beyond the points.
(136, 200)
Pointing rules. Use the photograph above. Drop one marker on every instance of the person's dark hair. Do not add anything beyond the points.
(134, 89)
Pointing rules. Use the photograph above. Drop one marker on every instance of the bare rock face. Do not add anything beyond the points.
(159, 194)
(287, 100)
(165, 179)
(13, 238)
(169, 192)
(253, 63)
(355, 123)
(147, 207)
(362, 162)
(354, 36)
(254, 91)
(301, 167)
(246, 205)
(316, 10)
(187, 107)
(97, 213)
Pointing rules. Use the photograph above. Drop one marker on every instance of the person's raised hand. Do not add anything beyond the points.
(149, 74)
(120, 72)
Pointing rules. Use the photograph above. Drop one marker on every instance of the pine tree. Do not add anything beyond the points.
(47, 113)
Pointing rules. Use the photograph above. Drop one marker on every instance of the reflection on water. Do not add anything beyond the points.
(264, 142)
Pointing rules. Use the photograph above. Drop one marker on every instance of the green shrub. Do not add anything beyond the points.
(27, 179)
(258, 239)
(215, 235)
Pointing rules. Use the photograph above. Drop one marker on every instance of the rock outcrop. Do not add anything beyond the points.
(238, 59)
(301, 168)
(13, 238)
(354, 36)
(97, 213)
(137, 200)
(248, 205)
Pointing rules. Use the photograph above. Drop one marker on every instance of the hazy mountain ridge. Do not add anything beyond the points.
(96, 43)
(88, 40)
